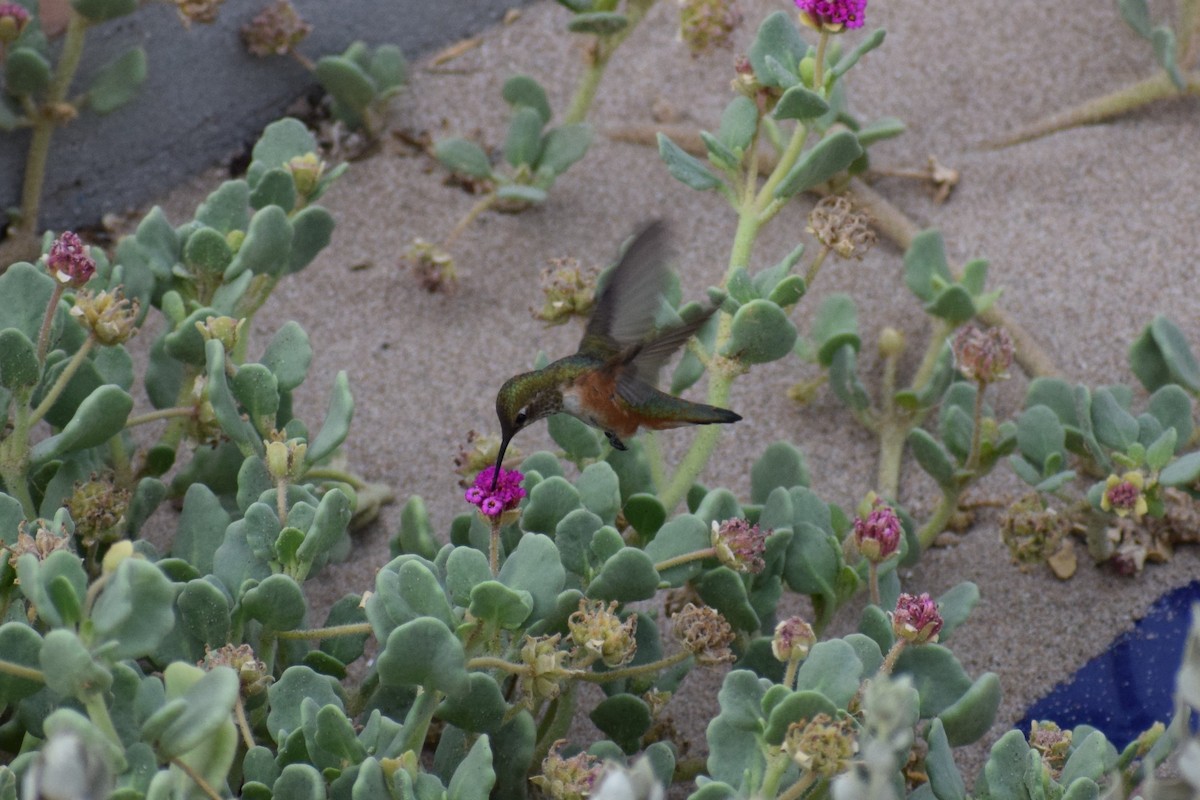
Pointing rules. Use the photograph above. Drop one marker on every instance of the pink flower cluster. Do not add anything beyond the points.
(916, 618)
(69, 260)
(506, 496)
(834, 13)
(878, 536)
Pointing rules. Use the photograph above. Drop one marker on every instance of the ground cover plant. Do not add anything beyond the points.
(199, 671)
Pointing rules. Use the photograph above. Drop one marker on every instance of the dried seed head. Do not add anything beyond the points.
(202, 11)
(822, 745)
(705, 25)
(570, 291)
(41, 543)
(277, 30)
(1052, 742)
(253, 674)
(434, 267)
(705, 633)
(567, 778)
(837, 225)
(478, 454)
(596, 629)
(983, 356)
(98, 509)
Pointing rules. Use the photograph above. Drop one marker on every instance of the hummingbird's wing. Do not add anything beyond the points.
(625, 308)
(637, 381)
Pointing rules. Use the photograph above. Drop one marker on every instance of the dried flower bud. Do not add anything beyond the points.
(69, 261)
(306, 173)
(877, 536)
(226, 330)
(916, 619)
(1125, 495)
(202, 11)
(1032, 531)
(546, 668)
(433, 266)
(253, 674)
(570, 291)
(109, 317)
(277, 30)
(1052, 742)
(983, 356)
(706, 25)
(832, 16)
(494, 503)
(67, 767)
(793, 639)
(739, 545)
(705, 633)
(13, 19)
(837, 225)
(98, 509)
(567, 778)
(597, 629)
(821, 745)
(41, 544)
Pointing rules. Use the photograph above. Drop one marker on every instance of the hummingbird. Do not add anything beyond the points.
(609, 382)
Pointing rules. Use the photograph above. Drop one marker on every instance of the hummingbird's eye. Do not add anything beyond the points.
(521, 417)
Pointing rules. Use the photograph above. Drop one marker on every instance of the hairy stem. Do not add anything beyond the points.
(698, 555)
(332, 632)
(603, 48)
(64, 378)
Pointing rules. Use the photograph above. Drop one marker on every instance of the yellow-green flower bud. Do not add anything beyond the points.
(109, 317)
(226, 330)
(116, 554)
(306, 173)
(891, 342)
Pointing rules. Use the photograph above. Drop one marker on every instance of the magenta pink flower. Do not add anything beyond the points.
(878, 536)
(69, 261)
(916, 619)
(833, 15)
(493, 502)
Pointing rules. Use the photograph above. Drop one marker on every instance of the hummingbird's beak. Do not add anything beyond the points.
(500, 459)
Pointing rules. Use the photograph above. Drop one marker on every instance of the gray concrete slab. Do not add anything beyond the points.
(205, 98)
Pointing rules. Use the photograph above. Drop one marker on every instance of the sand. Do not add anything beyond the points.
(1090, 231)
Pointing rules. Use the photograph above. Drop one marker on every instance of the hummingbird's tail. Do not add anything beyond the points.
(683, 412)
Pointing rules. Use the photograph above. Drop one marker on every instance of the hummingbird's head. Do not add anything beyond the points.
(523, 399)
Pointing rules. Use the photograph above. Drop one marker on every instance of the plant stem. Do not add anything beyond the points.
(633, 672)
(481, 205)
(698, 555)
(893, 433)
(495, 662)
(196, 778)
(44, 123)
(1105, 107)
(21, 671)
(776, 766)
(162, 413)
(819, 66)
(494, 548)
(873, 580)
(561, 712)
(889, 661)
(941, 515)
(602, 53)
(797, 789)
(98, 713)
(977, 429)
(815, 266)
(789, 672)
(416, 724)
(239, 714)
(332, 632)
(63, 379)
(43, 343)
